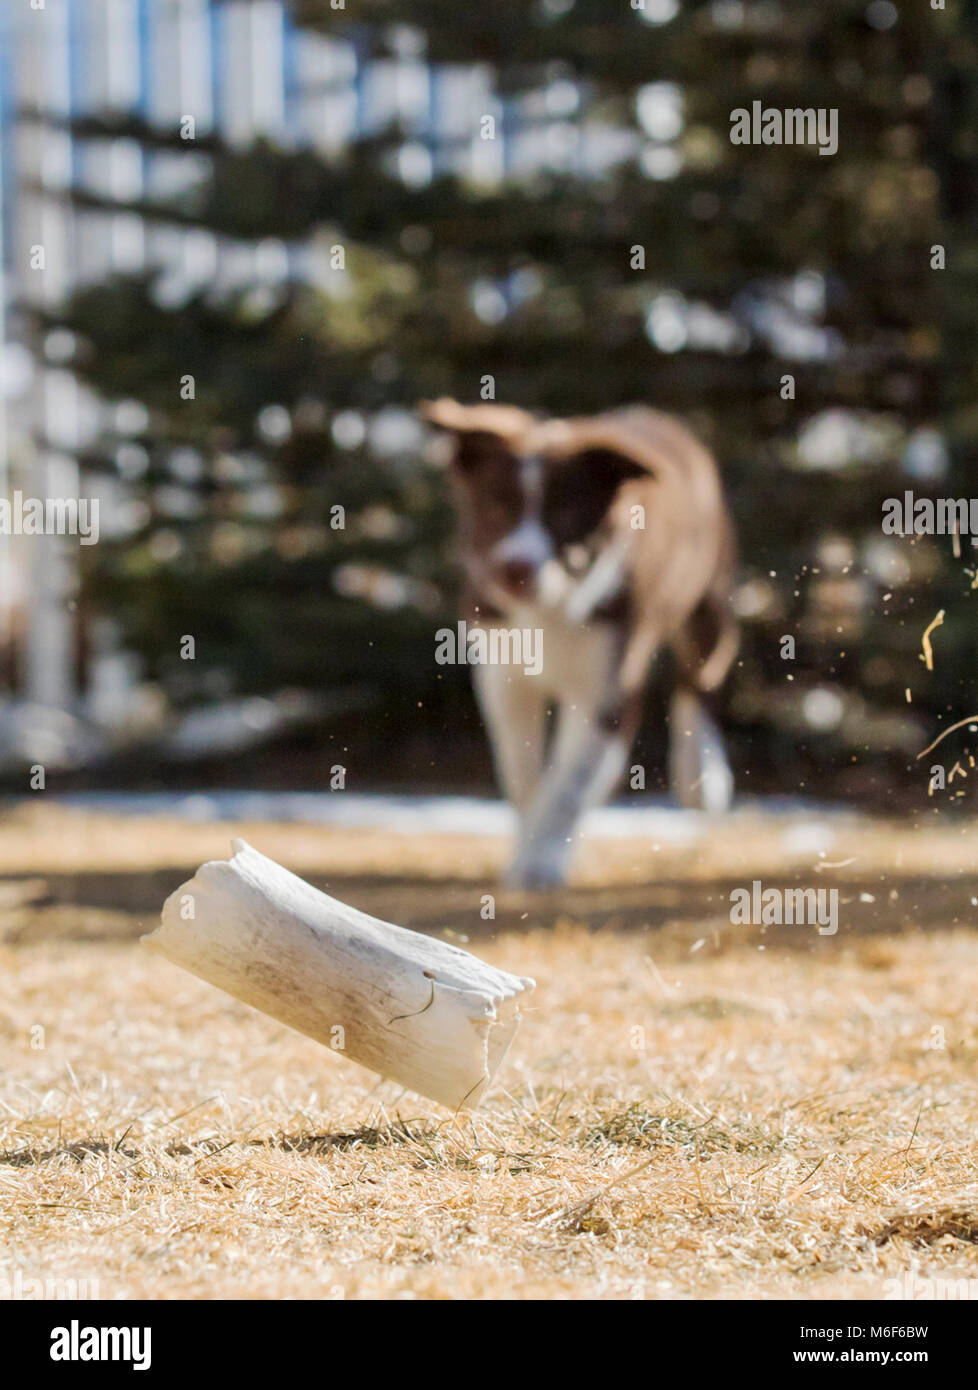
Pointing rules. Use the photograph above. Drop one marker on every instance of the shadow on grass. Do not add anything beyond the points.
(117, 906)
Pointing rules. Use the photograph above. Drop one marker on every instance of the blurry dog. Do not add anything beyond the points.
(608, 537)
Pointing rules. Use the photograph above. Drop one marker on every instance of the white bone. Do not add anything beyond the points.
(419, 1011)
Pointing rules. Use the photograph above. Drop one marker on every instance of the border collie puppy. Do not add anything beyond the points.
(588, 544)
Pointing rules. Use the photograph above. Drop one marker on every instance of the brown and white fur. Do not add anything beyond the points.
(608, 535)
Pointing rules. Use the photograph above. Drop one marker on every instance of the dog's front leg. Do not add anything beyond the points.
(591, 750)
(514, 707)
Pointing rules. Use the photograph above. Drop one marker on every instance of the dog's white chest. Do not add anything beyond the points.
(579, 660)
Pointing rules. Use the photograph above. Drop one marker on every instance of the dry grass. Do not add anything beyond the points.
(691, 1109)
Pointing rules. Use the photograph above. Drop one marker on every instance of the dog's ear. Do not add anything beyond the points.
(445, 413)
(447, 417)
(607, 468)
(481, 432)
(505, 421)
(479, 450)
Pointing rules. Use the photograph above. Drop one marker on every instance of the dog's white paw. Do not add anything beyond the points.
(536, 872)
(713, 792)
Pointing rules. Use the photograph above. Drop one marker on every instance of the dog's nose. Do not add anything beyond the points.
(515, 575)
